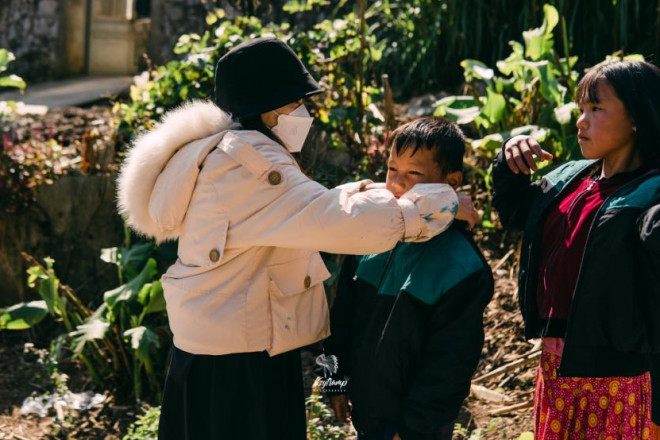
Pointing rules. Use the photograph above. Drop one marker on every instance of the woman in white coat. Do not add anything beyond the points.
(246, 291)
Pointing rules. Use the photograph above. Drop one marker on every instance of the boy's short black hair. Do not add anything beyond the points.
(439, 135)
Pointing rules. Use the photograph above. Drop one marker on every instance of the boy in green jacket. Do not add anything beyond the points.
(407, 325)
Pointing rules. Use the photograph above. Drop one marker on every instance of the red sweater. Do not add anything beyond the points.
(565, 236)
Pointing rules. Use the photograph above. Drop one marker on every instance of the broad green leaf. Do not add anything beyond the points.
(457, 102)
(495, 106)
(550, 88)
(12, 81)
(571, 61)
(634, 57)
(538, 41)
(619, 56)
(474, 69)
(375, 54)
(35, 273)
(460, 109)
(23, 315)
(135, 257)
(110, 255)
(492, 142)
(143, 295)
(6, 57)
(129, 291)
(143, 340)
(91, 330)
(48, 290)
(214, 16)
(551, 18)
(156, 302)
(509, 65)
(564, 114)
(537, 133)
(459, 115)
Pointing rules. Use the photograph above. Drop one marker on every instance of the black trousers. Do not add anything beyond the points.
(247, 396)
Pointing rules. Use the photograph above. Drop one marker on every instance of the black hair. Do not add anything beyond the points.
(256, 123)
(637, 85)
(439, 135)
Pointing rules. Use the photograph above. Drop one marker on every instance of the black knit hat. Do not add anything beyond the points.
(261, 75)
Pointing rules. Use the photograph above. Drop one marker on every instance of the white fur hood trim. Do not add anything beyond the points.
(150, 154)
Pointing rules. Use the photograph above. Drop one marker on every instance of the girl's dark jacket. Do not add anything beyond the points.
(613, 327)
(411, 346)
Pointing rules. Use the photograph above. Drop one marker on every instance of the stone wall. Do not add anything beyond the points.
(72, 221)
(31, 29)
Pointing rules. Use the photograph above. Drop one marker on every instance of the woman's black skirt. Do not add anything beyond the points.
(246, 396)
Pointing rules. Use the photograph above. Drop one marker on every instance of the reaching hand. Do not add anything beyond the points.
(466, 210)
(341, 407)
(519, 152)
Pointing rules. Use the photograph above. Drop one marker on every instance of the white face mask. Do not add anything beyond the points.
(293, 128)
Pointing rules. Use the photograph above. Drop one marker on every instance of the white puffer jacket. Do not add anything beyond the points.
(250, 223)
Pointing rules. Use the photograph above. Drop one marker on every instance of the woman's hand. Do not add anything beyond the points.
(341, 407)
(466, 210)
(519, 152)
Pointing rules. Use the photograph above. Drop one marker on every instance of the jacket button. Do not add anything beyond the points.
(214, 255)
(308, 281)
(274, 178)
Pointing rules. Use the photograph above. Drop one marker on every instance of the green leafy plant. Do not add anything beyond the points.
(532, 95)
(13, 81)
(319, 420)
(338, 51)
(125, 339)
(535, 92)
(145, 426)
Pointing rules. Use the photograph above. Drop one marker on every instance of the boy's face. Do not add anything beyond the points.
(404, 171)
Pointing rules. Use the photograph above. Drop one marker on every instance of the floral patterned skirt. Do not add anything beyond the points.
(590, 408)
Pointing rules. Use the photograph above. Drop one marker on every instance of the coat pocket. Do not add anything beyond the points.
(202, 240)
(299, 309)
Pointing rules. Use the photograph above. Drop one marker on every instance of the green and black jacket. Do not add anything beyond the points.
(613, 328)
(407, 330)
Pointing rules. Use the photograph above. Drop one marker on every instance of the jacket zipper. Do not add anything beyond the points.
(380, 282)
(586, 246)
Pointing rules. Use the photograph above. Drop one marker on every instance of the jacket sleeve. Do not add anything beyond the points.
(301, 213)
(342, 315)
(512, 194)
(649, 261)
(451, 355)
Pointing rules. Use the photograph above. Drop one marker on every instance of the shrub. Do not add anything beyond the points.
(534, 96)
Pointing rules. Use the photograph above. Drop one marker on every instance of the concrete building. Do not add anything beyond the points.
(67, 38)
